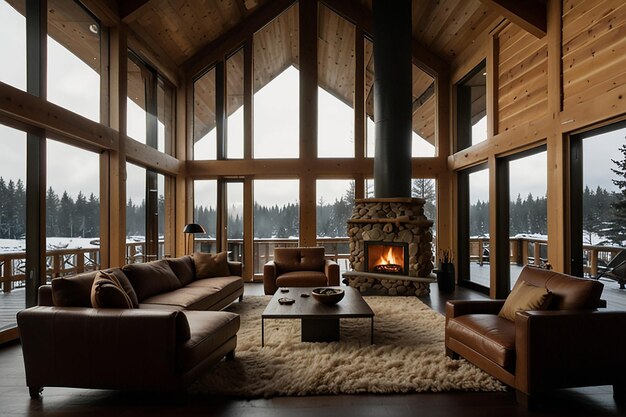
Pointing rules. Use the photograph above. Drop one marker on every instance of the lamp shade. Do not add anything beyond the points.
(193, 228)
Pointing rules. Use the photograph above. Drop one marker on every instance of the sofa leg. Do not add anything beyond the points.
(619, 393)
(230, 356)
(452, 354)
(35, 392)
(241, 298)
(526, 400)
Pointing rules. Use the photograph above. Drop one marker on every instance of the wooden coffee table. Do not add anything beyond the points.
(320, 322)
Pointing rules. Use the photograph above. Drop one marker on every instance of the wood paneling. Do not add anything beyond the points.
(522, 78)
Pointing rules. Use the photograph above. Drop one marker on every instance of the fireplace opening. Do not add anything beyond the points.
(386, 257)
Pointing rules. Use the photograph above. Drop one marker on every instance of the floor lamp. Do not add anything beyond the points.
(191, 229)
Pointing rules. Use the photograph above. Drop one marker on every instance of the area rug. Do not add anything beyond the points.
(407, 356)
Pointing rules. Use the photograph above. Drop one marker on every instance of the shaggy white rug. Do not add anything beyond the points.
(408, 356)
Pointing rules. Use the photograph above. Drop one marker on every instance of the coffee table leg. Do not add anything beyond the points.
(262, 332)
(320, 330)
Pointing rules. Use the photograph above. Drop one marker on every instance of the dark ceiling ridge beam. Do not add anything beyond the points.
(236, 36)
(423, 98)
(131, 10)
(424, 58)
(530, 15)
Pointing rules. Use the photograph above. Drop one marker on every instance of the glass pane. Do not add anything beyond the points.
(479, 226)
(73, 59)
(335, 94)
(12, 224)
(424, 140)
(13, 43)
(135, 213)
(234, 103)
(370, 130)
(472, 108)
(335, 201)
(72, 210)
(276, 218)
(528, 212)
(136, 115)
(276, 88)
(204, 134)
(161, 216)
(604, 199)
(369, 188)
(165, 110)
(234, 209)
(426, 188)
(205, 214)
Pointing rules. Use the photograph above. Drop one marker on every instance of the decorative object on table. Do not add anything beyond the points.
(328, 296)
(305, 295)
(286, 301)
(283, 290)
(445, 272)
(189, 230)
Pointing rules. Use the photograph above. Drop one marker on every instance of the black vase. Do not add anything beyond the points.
(445, 277)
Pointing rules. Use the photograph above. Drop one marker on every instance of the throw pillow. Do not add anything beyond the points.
(209, 265)
(151, 278)
(107, 292)
(525, 297)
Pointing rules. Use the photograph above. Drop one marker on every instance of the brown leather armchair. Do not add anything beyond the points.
(299, 267)
(569, 345)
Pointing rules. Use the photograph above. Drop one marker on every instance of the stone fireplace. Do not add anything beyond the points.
(390, 247)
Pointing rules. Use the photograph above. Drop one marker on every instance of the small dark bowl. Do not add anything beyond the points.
(328, 296)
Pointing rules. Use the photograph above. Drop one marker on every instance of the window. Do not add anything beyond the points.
(370, 131)
(136, 110)
(598, 205)
(73, 59)
(426, 188)
(276, 218)
(234, 106)
(12, 223)
(471, 96)
(234, 225)
(135, 213)
(205, 214)
(165, 114)
(204, 120)
(528, 211)
(276, 88)
(13, 42)
(335, 94)
(424, 132)
(473, 226)
(335, 201)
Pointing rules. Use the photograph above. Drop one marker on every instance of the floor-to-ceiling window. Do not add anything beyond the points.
(335, 201)
(205, 214)
(13, 42)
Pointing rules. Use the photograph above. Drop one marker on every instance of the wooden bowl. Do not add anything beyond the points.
(328, 296)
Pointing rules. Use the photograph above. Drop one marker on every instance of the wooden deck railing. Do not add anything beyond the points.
(61, 262)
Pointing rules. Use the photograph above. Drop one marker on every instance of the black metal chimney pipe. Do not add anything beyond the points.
(392, 98)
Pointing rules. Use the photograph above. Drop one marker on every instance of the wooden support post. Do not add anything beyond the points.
(184, 151)
(248, 230)
(359, 95)
(446, 197)
(499, 252)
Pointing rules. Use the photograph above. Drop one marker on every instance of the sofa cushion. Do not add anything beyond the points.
(183, 268)
(228, 284)
(487, 334)
(209, 330)
(525, 297)
(568, 292)
(151, 278)
(107, 292)
(299, 259)
(187, 298)
(302, 279)
(210, 265)
(75, 290)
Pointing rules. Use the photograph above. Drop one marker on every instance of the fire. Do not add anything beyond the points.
(389, 258)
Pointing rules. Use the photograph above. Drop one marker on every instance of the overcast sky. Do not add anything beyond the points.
(75, 85)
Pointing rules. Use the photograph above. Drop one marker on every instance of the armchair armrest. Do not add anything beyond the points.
(331, 270)
(44, 295)
(456, 308)
(236, 268)
(559, 349)
(269, 278)
(101, 348)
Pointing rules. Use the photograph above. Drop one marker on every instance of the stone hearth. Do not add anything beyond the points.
(390, 220)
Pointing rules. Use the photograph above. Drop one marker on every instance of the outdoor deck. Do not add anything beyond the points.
(12, 302)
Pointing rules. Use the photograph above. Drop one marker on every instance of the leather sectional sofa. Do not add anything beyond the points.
(162, 344)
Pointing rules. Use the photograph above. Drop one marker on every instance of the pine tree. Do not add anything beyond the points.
(617, 229)
(52, 213)
(425, 188)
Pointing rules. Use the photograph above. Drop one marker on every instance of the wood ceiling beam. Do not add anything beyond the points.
(354, 12)
(530, 15)
(131, 10)
(234, 37)
(423, 98)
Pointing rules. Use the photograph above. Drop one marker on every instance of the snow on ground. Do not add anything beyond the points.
(52, 243)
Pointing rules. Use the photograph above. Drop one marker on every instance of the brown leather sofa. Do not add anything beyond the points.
(162, 344)
(299, 267)
(569, 345)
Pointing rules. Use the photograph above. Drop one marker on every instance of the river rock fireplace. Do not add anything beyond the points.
(390, 247)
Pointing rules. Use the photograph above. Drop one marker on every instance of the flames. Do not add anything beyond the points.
(390, 258)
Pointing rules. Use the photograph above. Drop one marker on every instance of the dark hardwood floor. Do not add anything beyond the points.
(14, 399)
